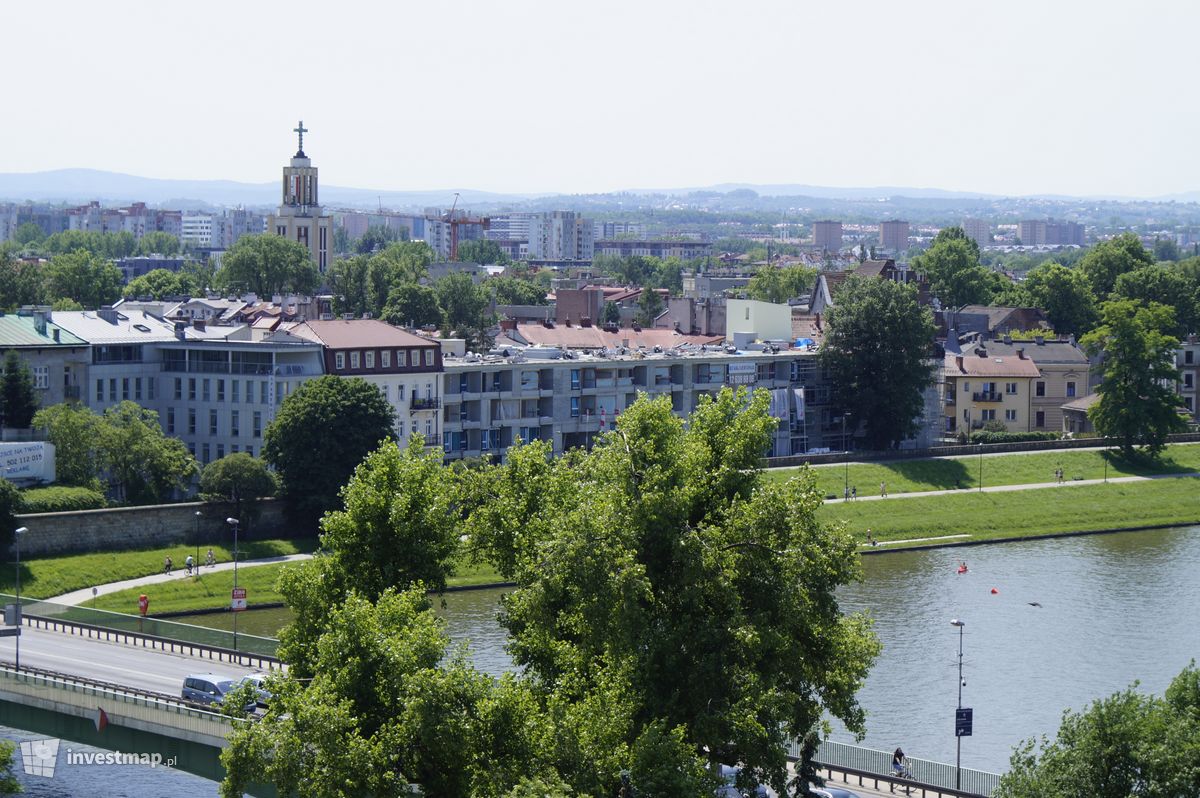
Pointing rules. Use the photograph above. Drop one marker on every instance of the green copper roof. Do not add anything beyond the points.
(20, 331)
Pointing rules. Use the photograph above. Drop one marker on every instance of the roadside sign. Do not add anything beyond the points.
(238, 602)
(12, 614)
(962, 722)
(13, 632)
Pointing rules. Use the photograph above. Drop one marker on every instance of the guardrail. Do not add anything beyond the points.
(929, 778)
(168, 636)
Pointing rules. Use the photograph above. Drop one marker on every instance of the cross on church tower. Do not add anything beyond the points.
(301, 129)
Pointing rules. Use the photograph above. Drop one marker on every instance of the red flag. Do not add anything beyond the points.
(101, 719)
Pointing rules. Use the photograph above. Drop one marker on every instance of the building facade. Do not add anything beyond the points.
(1049, 233)
(827, 236)
(561, 236)
(893, 235)
(978, 388)
(978, 230)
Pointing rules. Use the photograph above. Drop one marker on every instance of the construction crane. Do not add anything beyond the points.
(455, 222)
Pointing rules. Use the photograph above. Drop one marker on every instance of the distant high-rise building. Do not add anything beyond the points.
(607, 231)
(561, 235)
(893, 235)
(827, 236)
(300, 217)
(978, 230)
(1049, 233)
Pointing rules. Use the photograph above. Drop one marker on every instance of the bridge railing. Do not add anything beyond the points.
(153, 633)
(929, 777)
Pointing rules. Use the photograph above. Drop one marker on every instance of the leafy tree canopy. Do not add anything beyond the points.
(159, 283)
(158, 243)
(28, 233)
(1129, 744)
(18, 399)
(1065, 296)
(322, 431)
(266, 265)
(877, 351)
(21, 282)
(1108, 260)
(410, 304)
(464, 305)
(512, 291)
(76, 432)
(89, 279)
(237, 478)
(144, 464)
(1137, 403)
(778, 285)
(482, 251)
(102, 245)
(1165, 285)
(951, 264)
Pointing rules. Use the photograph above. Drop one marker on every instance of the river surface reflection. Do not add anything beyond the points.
(1114, 609)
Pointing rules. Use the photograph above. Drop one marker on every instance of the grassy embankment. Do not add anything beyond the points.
(915, 476)
(212, 590)
(52, 576)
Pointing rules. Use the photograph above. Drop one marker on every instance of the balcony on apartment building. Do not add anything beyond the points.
(425, 403)
(987, 396)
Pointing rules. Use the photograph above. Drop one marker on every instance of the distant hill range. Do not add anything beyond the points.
(85, 185)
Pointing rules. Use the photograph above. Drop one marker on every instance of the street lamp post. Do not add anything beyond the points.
(20, 620)
(233, 522)
(981, 467)
(196, 565)
(958, 732)
(846, 461)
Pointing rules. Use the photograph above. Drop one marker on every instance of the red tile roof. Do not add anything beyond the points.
(974, 366)
(357, 334)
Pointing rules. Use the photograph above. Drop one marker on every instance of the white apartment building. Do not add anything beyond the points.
(561, 235)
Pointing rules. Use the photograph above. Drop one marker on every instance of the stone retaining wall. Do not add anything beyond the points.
(140, 527)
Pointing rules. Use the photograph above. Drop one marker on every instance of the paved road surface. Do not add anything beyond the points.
(133, 666)
(1008, 488)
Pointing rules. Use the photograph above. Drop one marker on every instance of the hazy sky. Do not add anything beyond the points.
(1016, 97)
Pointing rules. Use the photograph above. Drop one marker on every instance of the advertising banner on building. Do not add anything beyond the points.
(27, 461)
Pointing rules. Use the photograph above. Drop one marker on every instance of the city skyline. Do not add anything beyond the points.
(1071, 100)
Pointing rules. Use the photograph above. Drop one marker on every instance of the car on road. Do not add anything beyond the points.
(729, 788)
(210, 689)
(259, 681)
(833, 792)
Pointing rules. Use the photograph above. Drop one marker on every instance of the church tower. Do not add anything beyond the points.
(300, 218)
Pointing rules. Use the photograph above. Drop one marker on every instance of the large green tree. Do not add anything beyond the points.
(482, 251)
(511, 291)
(1138, 403)
(18, 399)
(951, 264)
(1065, 296)
(89, 279)
(1108, 260)
(159, 283)
(76, 432)
(1165, 285)
(21, 282)
(877, 351)
(28, 233)
(267, 264)
(778, 285)
(10, 504)
(238, 479)
(322, 431)
(158, 243)
(1128, 744)
(348, 283)
(144, 465)
(672, 608)
(412, 305)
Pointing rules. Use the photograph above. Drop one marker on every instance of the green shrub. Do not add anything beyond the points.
(987, 436)
(61, 499)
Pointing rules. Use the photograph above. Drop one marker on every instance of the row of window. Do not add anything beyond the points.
(235, 422)
(405, 358)
(205, 452)
(206, 385)
(1039, 387)
(125, 383)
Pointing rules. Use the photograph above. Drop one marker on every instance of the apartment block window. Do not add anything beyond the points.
(399, 393)
(1070, 389)
(191, 421)
(966, 386)
(574, 379)
(262, 394)
(401, 358)
(339, 360)
(206, 390)
(428, 357)
(170, 421)
(428, 390)
(100, 390)
(178, 389)
(1010, 387)
(414, 427)
(385, 358)
(1189, 380)
(574, 407)
(191, 389)
(234, 448)
(354, 360)
(150, 383)
(428, 429)
(192, 449)
(137, 389)
(212, 422)
(1188, 356)
(235, 391)
(204, 453)
(235, 427)
(369, 359)
(987, 415)
(1039, 388)
(1039, 419)
(386, 392)
(257, 430)
(220, 450)
(125, 389)
(41, 377)
(220, 390)
(1010, 415)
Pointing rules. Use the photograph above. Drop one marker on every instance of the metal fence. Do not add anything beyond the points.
(926, 772)
(150, 632)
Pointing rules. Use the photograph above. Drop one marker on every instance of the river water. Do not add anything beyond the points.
(1113, 609)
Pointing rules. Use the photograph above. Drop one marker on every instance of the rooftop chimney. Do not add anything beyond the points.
(958, 360)
(1040, 340)
(1020, 353)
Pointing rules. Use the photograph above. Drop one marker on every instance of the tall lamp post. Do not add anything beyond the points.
(196, 566)
(846, 461)
(233, 522)
(962, 720)
(20, 619)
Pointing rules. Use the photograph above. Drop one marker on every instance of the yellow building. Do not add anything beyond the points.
(979, 387)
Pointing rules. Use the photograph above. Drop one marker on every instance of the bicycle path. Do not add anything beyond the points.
(76, 597)
(1024, 486)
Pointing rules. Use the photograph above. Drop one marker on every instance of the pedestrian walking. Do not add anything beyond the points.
(167, 566)
(870, 539)
(846, 497)
(883, 489)
(854, 492)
